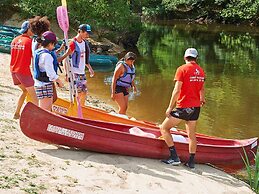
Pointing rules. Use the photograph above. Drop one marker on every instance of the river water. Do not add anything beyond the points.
(230, 58)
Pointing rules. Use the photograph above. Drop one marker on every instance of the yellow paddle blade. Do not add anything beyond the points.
(64, 3)
(73, 109)
(28, 98)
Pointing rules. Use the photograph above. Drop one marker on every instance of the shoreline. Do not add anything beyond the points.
(30, 166)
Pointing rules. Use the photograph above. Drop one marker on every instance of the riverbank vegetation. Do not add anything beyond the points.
(221, 11)
(252, 171)
(120, 20)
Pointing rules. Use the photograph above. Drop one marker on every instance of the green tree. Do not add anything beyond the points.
(105, 16)
(238, 10)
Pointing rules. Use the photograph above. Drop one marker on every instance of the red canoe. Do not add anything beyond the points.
(122, 139)
(61, 106)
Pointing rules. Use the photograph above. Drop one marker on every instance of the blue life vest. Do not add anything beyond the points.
(77, 54)
(42, 76)
(127, 78)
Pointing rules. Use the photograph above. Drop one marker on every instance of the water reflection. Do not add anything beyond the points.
(230, 59)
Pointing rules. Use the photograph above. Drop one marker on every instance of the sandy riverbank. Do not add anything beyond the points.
(34, 167)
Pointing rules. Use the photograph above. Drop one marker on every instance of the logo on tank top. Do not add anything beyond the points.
(82, 54)
(18, 45)
(197, 72)
(196, 77)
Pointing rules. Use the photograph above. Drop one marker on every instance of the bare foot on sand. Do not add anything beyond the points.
(16, 116)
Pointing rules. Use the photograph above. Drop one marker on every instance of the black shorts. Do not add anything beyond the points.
(187, 114)
(121, 89)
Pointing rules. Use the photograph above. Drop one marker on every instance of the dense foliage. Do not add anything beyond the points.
(230, 11)
(104, 16)
(10, 5)
(120, 19)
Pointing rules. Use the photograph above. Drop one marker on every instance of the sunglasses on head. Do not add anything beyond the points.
(131, 58)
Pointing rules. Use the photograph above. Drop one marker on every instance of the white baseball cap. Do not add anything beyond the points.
(191, 52)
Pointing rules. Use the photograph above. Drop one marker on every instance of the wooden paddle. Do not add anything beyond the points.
(75, 107)
(64, 3)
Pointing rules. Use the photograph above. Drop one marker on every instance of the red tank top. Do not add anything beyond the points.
(193, 77)
(21, 55)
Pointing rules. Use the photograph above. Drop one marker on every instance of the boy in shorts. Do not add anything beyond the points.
(187, 98)
(80, 52)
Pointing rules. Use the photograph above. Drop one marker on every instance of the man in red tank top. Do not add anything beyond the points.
(21, 55)
(187, 98)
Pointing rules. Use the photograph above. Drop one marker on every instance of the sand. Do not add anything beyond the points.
(28, 166)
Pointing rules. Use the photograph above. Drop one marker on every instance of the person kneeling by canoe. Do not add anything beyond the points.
(45, 70)
(188, 95)
(122, 80)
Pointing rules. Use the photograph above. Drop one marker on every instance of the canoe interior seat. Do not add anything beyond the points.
(139, 132)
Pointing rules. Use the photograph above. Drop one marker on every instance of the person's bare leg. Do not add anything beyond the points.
(55, 95)
(20, 102)
(126, 101)
(191, 129)
(165, 130)
(120, 100)
(46, 103)
(33, 97)
(82, 98)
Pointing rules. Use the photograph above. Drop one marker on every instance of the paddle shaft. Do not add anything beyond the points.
(63, 22)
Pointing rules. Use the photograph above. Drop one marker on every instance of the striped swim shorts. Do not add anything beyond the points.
(81, 82)
(44, 91)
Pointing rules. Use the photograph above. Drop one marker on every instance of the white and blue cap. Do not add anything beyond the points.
(191, 52)
(25, 26)
(85, 27)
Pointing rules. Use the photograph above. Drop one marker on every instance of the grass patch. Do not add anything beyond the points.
(8, 182)
(2, 156)
(71, 179)
(252, 171)
(33, 161)
(34, 189)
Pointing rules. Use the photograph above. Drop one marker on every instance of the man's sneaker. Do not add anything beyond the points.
(190, 165)
(172, 161)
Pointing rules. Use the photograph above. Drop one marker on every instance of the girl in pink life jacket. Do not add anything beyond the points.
(122, 80)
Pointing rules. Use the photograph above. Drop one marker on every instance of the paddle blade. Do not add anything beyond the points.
(72, 109)
(64, 3)
(79, 108)
(75, 109)
(28, 98)
(62, 17)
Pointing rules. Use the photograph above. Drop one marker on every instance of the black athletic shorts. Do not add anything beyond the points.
(187, 114)
(121, 89)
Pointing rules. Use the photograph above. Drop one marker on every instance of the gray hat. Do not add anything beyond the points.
(25, 26)
(191, 52)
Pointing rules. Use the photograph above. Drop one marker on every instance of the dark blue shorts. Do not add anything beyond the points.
(187, 114)
(121, 89)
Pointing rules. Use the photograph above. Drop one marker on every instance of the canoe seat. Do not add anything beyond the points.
(139, 132)
(179, 138)
(119, 115)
